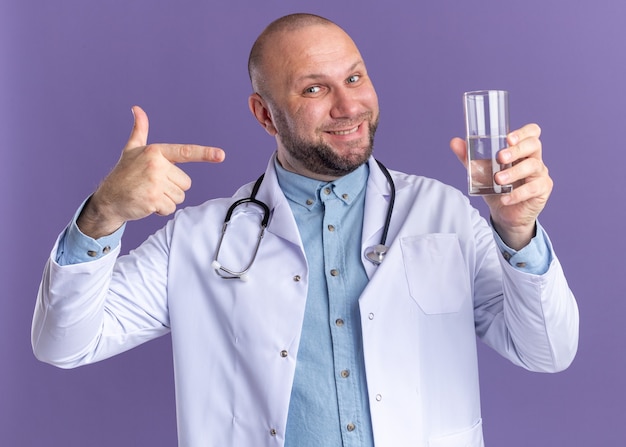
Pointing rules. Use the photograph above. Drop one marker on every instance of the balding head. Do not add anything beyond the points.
(263, 43)
(313, 94)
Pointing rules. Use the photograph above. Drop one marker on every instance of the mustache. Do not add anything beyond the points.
(344, 123)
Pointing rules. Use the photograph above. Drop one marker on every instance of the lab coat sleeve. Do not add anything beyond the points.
(534, 322)
(90, 311)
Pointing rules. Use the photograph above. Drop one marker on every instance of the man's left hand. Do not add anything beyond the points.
(514, 215)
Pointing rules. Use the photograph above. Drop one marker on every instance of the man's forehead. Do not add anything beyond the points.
(306, 47)
(304, 37)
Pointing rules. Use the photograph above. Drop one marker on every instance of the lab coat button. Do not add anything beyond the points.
(350, 426)
(273, 432)
(297, 278)
(284, 353)
(371, 316)
(379, 397)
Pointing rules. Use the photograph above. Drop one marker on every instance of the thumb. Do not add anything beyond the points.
(139, 134)
(459, 148)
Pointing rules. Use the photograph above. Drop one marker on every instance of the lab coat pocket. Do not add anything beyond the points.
(435, 272)
(466, 438)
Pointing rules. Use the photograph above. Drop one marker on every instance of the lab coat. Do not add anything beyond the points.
(235, 343)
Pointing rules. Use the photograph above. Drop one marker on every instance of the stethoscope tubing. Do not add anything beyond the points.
(392, 200)
(375, 254)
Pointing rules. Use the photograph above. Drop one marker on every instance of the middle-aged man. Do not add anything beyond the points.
(314, 344)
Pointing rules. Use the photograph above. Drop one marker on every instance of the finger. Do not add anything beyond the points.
(166, 207)
(528, 147)
(528, 131)
(186, 153)
(179, 178)
(459, 148)
(537, 191)
(139, 133)
(173, 195)
(525, 169)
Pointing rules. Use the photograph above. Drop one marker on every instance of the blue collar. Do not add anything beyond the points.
(305, 191)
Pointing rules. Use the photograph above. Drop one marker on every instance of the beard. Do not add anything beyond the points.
(319, 157)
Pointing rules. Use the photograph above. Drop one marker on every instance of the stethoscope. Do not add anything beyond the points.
(375, 254)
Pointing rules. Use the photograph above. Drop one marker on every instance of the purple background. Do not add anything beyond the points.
(71, 70)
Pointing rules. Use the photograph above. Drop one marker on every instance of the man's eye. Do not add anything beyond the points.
(352, 79)
(312, 90)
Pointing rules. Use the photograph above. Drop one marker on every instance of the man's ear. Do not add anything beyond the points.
(261, 112)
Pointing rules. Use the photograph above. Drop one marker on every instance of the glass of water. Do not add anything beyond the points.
(487, 125)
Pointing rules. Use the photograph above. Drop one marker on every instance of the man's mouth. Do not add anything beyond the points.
(344, 132)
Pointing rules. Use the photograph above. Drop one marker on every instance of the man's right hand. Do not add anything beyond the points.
(145, 180)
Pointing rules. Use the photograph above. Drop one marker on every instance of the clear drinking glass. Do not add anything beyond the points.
(487, 125)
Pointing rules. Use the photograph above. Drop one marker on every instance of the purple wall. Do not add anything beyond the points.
(71, 70)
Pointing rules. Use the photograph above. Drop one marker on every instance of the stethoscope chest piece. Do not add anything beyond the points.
(377, 253)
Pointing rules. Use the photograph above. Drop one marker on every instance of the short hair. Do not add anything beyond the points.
(291, 22)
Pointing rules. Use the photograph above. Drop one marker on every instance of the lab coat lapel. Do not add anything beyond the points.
(282, 223)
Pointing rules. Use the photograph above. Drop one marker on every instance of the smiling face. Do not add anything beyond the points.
(314, 95)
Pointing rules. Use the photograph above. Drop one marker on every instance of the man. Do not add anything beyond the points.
(313, 344)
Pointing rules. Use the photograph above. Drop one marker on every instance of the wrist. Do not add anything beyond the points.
(515, 237)
(95, 221)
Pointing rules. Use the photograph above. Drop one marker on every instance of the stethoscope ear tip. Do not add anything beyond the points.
(216, 265)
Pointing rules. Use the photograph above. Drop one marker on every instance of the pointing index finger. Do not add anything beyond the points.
(187, 153)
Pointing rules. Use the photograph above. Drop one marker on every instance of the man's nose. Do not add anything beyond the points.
(345, 103)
